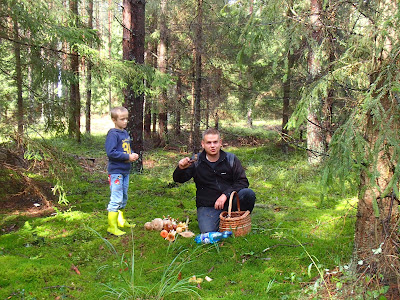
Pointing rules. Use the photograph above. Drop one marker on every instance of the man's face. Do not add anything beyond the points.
(121, 121)
(211, 144)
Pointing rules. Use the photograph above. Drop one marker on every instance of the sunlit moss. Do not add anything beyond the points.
(293, 214)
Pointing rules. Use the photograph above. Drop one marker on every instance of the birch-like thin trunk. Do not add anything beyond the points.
(315, 137)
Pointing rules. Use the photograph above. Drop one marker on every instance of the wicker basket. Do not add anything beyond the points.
(239, 222)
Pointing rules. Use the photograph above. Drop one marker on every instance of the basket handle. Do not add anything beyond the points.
(230, 202)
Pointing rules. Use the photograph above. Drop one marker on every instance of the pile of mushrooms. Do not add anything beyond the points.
(169, 227)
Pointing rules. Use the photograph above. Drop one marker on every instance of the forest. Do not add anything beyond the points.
(305, 93)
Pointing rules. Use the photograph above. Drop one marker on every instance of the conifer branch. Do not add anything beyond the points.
(319, 126)
(36, 46)
(287, 138)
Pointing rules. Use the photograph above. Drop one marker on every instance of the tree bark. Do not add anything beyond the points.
(218, 91)
(192, 140)
(376, 239)
(327, 109)
(147, 118)
(198, 44)
(249, 118)
(133, 15)
(178, 105)
(89, 74)
(148, 102)
(287, 89)
(154, 124)
(206, 99)
(315, 140)
(162, 67)
(18, 72)
(109, 51)
(75, 102)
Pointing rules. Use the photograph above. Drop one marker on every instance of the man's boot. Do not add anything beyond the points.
(122, 222)
(113, 224)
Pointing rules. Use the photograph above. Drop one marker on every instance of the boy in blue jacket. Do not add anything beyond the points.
(120, 156)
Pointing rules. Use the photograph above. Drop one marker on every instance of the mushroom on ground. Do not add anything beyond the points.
(148, 226)
(171, 236)
(157, 224)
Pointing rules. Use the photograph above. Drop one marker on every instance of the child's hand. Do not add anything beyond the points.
(133, 157)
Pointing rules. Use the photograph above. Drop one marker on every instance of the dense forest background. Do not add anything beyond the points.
(328, 69)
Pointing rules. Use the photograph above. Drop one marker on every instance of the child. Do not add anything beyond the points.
(120, 156)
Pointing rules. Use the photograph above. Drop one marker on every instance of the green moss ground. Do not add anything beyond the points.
(293, 222)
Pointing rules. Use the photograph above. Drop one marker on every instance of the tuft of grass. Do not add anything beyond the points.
(170, 283)
(128, 290)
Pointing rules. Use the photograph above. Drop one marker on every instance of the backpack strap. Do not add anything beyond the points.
(196, 163)
(231, 158)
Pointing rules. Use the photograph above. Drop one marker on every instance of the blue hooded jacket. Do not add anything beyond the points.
(118, 148)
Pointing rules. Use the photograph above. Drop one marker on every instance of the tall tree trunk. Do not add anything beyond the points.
(315, 140)
(249, 118)
(109, 51)
(376, 238)
(151, 103)
(64, 95)
(18, 72)
(206, 97)
(198, 44)
(218, 91)
(288, 81)
(154, 123)
(89, 74)
(286, 100)
(327, 109)
(162, 67)
(178, 105)
(147, 117)
(75, 102)
(148, 100)
(192, 140)
(133, 16)
(31, 98)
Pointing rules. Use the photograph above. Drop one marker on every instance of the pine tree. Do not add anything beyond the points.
(133, 51)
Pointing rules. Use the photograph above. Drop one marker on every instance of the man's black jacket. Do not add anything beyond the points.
(212, 183)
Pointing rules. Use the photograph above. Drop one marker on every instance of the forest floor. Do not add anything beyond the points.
(280, 259)
(24, 195)
(21, 194)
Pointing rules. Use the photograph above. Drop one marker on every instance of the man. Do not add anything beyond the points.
(217, 174)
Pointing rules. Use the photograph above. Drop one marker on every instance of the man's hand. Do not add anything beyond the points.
(185, 163)
(219, 204)
(133, 157)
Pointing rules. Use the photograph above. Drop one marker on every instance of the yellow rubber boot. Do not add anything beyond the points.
(122, 222)
(113, 224)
